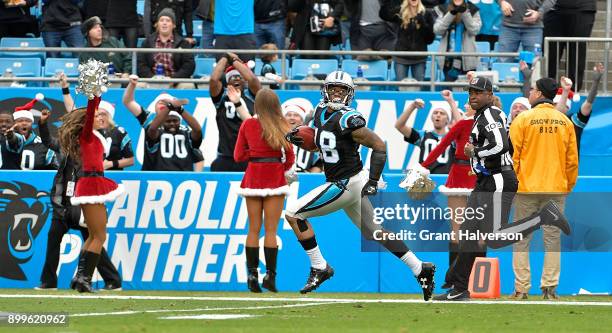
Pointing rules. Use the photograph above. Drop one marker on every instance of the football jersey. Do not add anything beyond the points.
(305, 160)
(36, 155)
(228, 121)
(144, 118)
(171, 152)
(120, 144)
(10, 157)
(340, 153)
(427, 141)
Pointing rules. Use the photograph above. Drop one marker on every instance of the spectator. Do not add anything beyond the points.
(546, 164)
(61, 21)
(97, 8)
(66, 216)
(175, 65)
(185, 155)
(183, 13)
(234, 26)
(522, 24)
(369, 32)
(570, 18)
(317, 24)
(97, 36)
(267, 69)
(11, 143)
(305, 161)
(35, 154)
(270, 18)
(124, 26)
(15, 19)
(458, 23)
(205, 11)
(414, 34)
(491, 16)
(234, 105)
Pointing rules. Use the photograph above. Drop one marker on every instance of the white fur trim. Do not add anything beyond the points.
(263, 192)
(454, 191)
(39, 97)
(96, 199)
(105, 144)
(108, 107)
(23, 114)
(174, 114)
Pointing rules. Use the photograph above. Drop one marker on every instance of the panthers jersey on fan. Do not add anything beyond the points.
(120, 144)
(171, 152)
(306, 160)
(228, 121)
(340, 153)
(427, 141)
(10, 157)
(36, 155)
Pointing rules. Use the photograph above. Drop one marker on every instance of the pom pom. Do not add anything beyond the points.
(93, 78)
(39, 97)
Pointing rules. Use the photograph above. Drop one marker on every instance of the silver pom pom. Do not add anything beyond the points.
(93, 78)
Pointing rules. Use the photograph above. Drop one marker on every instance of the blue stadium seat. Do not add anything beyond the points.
(22, 43)
(197, 30)
(372, 70)
(139, 42)
(320, 67)
(434, 46)
(507, 71)
(484, 47)
(140, 4)
(70, 66)
(204, 66)
(276, 64)
(21, 67)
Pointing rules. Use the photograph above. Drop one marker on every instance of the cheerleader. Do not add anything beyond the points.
(261, 142)
(460, 181)
(86, 146)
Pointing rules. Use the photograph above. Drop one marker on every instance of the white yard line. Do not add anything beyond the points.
(298, 299)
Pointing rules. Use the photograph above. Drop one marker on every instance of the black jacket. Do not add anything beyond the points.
(267, 11)
(184, 64)
(183, 11)
(18, 14)
(60, 15)
(412, 38)
(128, 16)
(302, 19)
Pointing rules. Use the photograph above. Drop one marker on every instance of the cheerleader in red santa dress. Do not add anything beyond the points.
(84, 145)
(261, 142)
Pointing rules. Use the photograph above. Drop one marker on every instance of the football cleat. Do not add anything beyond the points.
(453, 295)
(551, 215)
(316, 278)
(426, 279)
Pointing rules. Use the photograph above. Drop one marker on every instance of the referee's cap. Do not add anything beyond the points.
(480, 83)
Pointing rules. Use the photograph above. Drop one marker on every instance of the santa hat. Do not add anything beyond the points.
(168, 96)
(231, 71)
(290, 107)
(108, 107)
(25, 110)
(571, 97)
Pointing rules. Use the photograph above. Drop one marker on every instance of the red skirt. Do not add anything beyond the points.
(95, 190)
(264, 179)
(459, 181)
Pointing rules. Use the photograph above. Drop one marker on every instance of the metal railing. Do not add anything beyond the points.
(284, 58)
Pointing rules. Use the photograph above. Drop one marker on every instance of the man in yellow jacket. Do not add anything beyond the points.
(546, 164)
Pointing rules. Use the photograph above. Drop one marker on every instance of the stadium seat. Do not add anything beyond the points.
(140, 5)
(372, 70)
(21, 67)
(484, 47)
(139, 42)
(204, 67)
(320, 67)
(197, 30)
(67, 65)
(22, 43)
(507, 71)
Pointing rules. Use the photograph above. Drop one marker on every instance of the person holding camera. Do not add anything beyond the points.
(317, 24)
(458, 22)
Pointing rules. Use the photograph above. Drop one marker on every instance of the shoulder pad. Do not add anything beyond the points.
(352, 120)
(121, 129)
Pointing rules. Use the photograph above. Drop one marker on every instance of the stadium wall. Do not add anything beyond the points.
(381, 108)
(185, 231)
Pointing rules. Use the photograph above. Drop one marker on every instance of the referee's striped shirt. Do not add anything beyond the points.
(490, 139)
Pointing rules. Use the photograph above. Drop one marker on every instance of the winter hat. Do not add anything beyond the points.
(291, 107)
(89, 24)
(108, 107)
(571, 97)
(168, 12)
(231, 71)
(25, 110)
(547, 86)
(446, 108)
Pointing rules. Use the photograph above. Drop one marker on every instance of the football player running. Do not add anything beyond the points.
(339, 132)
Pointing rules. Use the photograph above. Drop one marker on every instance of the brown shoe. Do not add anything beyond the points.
(550, 293)
(517, 296)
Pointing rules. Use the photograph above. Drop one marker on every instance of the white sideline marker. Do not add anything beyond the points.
(212, 316)
(300, 299)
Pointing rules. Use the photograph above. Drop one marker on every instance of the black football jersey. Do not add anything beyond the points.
(427, 141)
(10, 157)
(171, 152)
(36, 155)
(340, 153)
(120, 144)
(145, 118)
(228, 121)
(304, 159)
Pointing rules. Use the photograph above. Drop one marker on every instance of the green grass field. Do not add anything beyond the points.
(139, 311)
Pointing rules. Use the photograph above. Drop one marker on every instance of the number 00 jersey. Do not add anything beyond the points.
(36, 155)
(427, 141)
(340, 153)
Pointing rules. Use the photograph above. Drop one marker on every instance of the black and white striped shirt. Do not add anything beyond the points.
(490, 139)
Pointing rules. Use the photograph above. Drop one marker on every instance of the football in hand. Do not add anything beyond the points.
(308, 135)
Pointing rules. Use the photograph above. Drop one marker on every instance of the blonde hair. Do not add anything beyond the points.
(407, 13)
(268, 57)
(497, 102)
(274, 126)
(69, 133)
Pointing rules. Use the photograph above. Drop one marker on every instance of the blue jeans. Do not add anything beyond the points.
(208, 35)
(510, 38)
(417, 70)
(273, 32)
(72, 37)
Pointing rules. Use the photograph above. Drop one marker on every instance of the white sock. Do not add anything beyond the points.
(316, 258)
(413, 262)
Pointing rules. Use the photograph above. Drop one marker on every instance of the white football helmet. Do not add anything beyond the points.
(338, 79)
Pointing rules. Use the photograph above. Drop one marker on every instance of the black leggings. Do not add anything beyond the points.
(313, 42)
(128, 34)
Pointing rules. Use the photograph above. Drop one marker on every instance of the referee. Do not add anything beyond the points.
(496, 186)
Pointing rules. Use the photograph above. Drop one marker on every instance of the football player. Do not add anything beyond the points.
(340, 131)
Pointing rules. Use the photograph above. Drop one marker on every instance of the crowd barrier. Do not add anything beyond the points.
(185, 231)
(381, 108)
